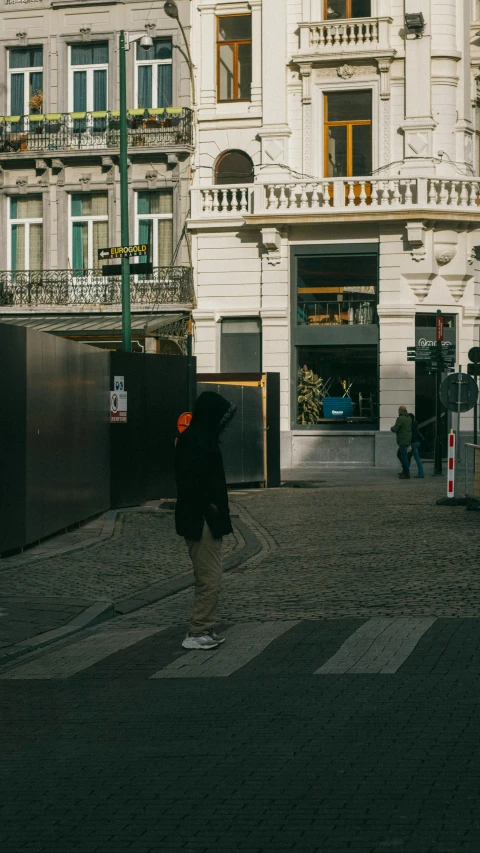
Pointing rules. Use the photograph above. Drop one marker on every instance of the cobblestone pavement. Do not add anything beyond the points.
(342, 713)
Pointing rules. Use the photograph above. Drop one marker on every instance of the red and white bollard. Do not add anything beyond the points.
(451, 466)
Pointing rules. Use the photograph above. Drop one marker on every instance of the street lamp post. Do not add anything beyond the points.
(171, 9)
(125, 41)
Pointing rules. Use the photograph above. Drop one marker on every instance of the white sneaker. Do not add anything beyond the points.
(204, 642)
(217, 637)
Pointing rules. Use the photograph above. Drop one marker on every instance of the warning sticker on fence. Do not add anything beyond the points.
(118, 407)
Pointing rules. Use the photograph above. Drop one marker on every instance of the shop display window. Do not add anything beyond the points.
(337, 384)
(337, 290)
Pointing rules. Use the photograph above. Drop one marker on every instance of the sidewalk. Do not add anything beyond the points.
(112, 565)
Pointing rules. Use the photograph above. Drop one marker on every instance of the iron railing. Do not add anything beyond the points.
(165, 286)
(151, 128)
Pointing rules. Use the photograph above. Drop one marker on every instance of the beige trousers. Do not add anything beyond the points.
(206, 557)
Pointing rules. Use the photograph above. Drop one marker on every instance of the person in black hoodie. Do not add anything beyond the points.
(201, 514)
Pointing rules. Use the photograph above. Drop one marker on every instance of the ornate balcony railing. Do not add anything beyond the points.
(166, 286)
(350, 35)
(151, 128)
(327, 196)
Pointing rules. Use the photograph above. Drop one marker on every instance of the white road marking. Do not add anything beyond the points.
(381, 645)
(244, 642)
(66, 662)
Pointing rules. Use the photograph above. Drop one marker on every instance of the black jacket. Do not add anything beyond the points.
(199, 470)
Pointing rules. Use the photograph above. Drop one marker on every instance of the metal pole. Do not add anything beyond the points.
(190, 382)
(126, 314)
(475, 408)
(459, 402)
(190, 63)
(438, 417)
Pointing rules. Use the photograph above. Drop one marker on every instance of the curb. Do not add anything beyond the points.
(107, 532)
(100, 611)
(154, 593)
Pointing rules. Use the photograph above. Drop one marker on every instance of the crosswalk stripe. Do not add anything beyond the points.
(244, 642)
(381, 645)
(66, 662)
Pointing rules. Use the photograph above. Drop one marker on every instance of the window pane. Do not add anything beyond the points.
(234, 167)
(26, 57)
(164, 95)
(17, 94)
(361, 9)
(337, 152)
(79, 245)
(349, 106)
(336, 290)
(154, 202)
(99, 90)
(144, 86)
(235, 28)
(93, 204)
(145, 232)
(100, 240)
(18, 247)
(226, 72)
(90, 54)
(26, 208)
(244, 70)
(36, 92)
(36, 247)
(80, 91)
(162, 49)
(336, 384)
(336, 9)
(165, 242)
(361, 149)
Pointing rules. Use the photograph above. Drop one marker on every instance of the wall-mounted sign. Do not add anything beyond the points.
(119, 383)
(118, 407)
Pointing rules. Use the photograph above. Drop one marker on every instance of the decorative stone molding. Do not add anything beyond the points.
(85, 180)
(41, 169)
(22, 38)
(346, 72)
(416, 239)
(419, 138)
(86, 32)
(384, 71)
(457, 284)
(271, 242)
(2, 177)
(151, 29)
(341, 71)
(420, 283)
(151, 179)
(58, 168)
(22, 185)
(306, 76)
(446, 243)
(108, 168)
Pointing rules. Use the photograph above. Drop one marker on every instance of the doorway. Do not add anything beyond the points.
(425, 383)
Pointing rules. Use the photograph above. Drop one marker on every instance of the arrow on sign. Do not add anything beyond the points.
(104, 253)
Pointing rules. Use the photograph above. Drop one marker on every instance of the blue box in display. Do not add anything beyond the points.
(337, 407)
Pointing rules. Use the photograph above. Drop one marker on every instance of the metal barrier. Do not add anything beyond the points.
(472, 471)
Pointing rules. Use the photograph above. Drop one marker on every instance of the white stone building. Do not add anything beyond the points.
(335, 206)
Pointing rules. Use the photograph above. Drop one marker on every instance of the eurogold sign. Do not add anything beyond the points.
(124, 251)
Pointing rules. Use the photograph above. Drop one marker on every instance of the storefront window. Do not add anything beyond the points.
(346, 9)
(337, 290)
(337, 384)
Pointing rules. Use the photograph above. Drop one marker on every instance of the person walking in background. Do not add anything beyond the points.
(403, 429)
(416, 441)
(201, 513)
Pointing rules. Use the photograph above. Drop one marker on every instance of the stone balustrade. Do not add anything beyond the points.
(351, 34)
(327, 195)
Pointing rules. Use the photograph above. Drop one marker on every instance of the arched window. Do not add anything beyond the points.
(234, 167)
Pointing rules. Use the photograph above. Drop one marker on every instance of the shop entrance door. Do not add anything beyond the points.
(425, 383)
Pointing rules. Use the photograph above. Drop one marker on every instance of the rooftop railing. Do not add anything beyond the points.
(167, 127)
(165, 286)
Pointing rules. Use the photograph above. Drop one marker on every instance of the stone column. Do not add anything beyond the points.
(419, 125)
(208, 52)
(256, 92)
(275, 131)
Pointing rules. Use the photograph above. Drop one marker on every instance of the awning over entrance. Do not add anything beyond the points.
(99, 324)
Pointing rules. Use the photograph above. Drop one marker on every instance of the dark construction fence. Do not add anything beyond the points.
(61, 461)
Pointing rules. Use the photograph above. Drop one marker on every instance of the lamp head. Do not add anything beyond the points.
(146, 42)
(171, 9)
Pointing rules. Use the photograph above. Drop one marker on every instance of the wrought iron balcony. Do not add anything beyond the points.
(170, 127)
(166, 286)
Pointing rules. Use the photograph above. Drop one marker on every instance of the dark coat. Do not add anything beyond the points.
(199, 472)
(403, 428)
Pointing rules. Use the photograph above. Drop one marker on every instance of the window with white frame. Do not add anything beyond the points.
(154, 74)
(25, 80)
(88, 77)
(88, 229)
(155, 225)
(25, 245)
